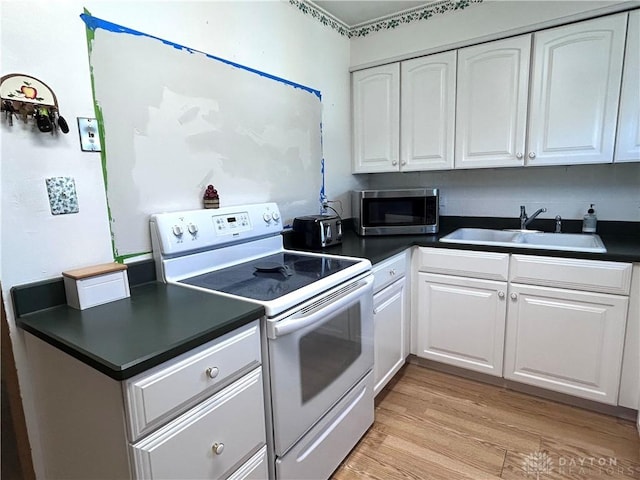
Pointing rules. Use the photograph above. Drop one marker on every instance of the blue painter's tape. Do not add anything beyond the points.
(94, 23)
(323, 194)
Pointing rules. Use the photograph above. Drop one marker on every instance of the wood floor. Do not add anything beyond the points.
(431, 425)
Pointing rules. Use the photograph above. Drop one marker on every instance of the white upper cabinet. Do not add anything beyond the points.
(491, 112)
(546, 98)
(575, 88)
(428, 89)
(628, 140)
(376, 119)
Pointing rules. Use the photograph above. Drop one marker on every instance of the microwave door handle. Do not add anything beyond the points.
(285, 327)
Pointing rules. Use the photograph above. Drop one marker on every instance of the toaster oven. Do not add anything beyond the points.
(317, 231)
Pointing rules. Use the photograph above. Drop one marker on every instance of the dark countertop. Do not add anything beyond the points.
(159, 322)
(126, 337)
(622, 240)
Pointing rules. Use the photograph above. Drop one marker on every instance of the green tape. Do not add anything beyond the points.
(103, 153)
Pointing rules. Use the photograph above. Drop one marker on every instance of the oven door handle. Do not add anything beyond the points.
(285, 327)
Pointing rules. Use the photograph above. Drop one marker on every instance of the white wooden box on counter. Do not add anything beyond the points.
(96, 285)
(162, 393)
(466, 263)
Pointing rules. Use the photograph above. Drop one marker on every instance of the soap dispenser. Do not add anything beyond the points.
(589, 221)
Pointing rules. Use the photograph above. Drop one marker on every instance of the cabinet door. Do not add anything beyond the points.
(629, 395)
(376, 119)
(209, 441)
(628, 139)
(575, 87)
(461, 321)
(389, 320)
(566, 340)
(492, 94)
(428, 112)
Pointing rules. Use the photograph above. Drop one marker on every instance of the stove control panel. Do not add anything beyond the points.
(232, 223)
(181, 232)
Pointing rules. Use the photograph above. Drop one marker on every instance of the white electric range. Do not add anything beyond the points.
(317, 332)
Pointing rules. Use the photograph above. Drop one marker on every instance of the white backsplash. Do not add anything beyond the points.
(564, 190)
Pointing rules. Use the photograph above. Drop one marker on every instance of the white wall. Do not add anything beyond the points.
(47, 40)
(478, 22)
(499, 192)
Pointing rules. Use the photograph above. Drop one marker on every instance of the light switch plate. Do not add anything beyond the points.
(63, 198)
(89, 138)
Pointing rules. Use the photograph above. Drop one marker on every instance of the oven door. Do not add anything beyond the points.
(316, 355)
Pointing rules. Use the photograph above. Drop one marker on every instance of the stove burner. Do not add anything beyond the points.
(270, 277)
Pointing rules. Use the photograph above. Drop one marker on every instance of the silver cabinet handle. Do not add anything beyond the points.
(403, 162)
(212, 372)
(514, 296)
(501, 294)
(392, 272)
(394, 162)
(218, 448)
(532, 154)
(519, 155)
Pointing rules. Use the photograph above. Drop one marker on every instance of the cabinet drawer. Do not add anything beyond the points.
(572, 273)
(255, 468)
(209, 441)
(386, 272)
(466, 263)
(169, 389)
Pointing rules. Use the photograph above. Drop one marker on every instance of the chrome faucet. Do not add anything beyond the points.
(525, 220)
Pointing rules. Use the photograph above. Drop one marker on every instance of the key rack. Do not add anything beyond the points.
(28, 98)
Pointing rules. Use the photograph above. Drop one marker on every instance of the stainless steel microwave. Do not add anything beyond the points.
(396, 212)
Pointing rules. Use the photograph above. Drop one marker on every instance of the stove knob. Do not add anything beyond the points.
(193, 229)
(267, 217)
(177, 231)
(276, 216)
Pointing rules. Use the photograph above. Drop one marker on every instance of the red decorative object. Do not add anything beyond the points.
(211, 198)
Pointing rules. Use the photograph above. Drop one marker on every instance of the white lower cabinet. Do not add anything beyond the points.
(390, 319)
(208, 441)
(565, 340)
(559, 323)
(462, 321)
(198, 415)
(389, 332)
(205, 410)
(256, 468)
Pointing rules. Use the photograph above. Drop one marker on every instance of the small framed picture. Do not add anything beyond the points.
(89, 138)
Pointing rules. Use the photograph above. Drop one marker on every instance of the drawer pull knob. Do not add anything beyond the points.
(212, 372)
(501, 294)
(218, 448)
(514, 296)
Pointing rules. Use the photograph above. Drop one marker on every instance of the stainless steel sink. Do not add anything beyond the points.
(575, 242)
